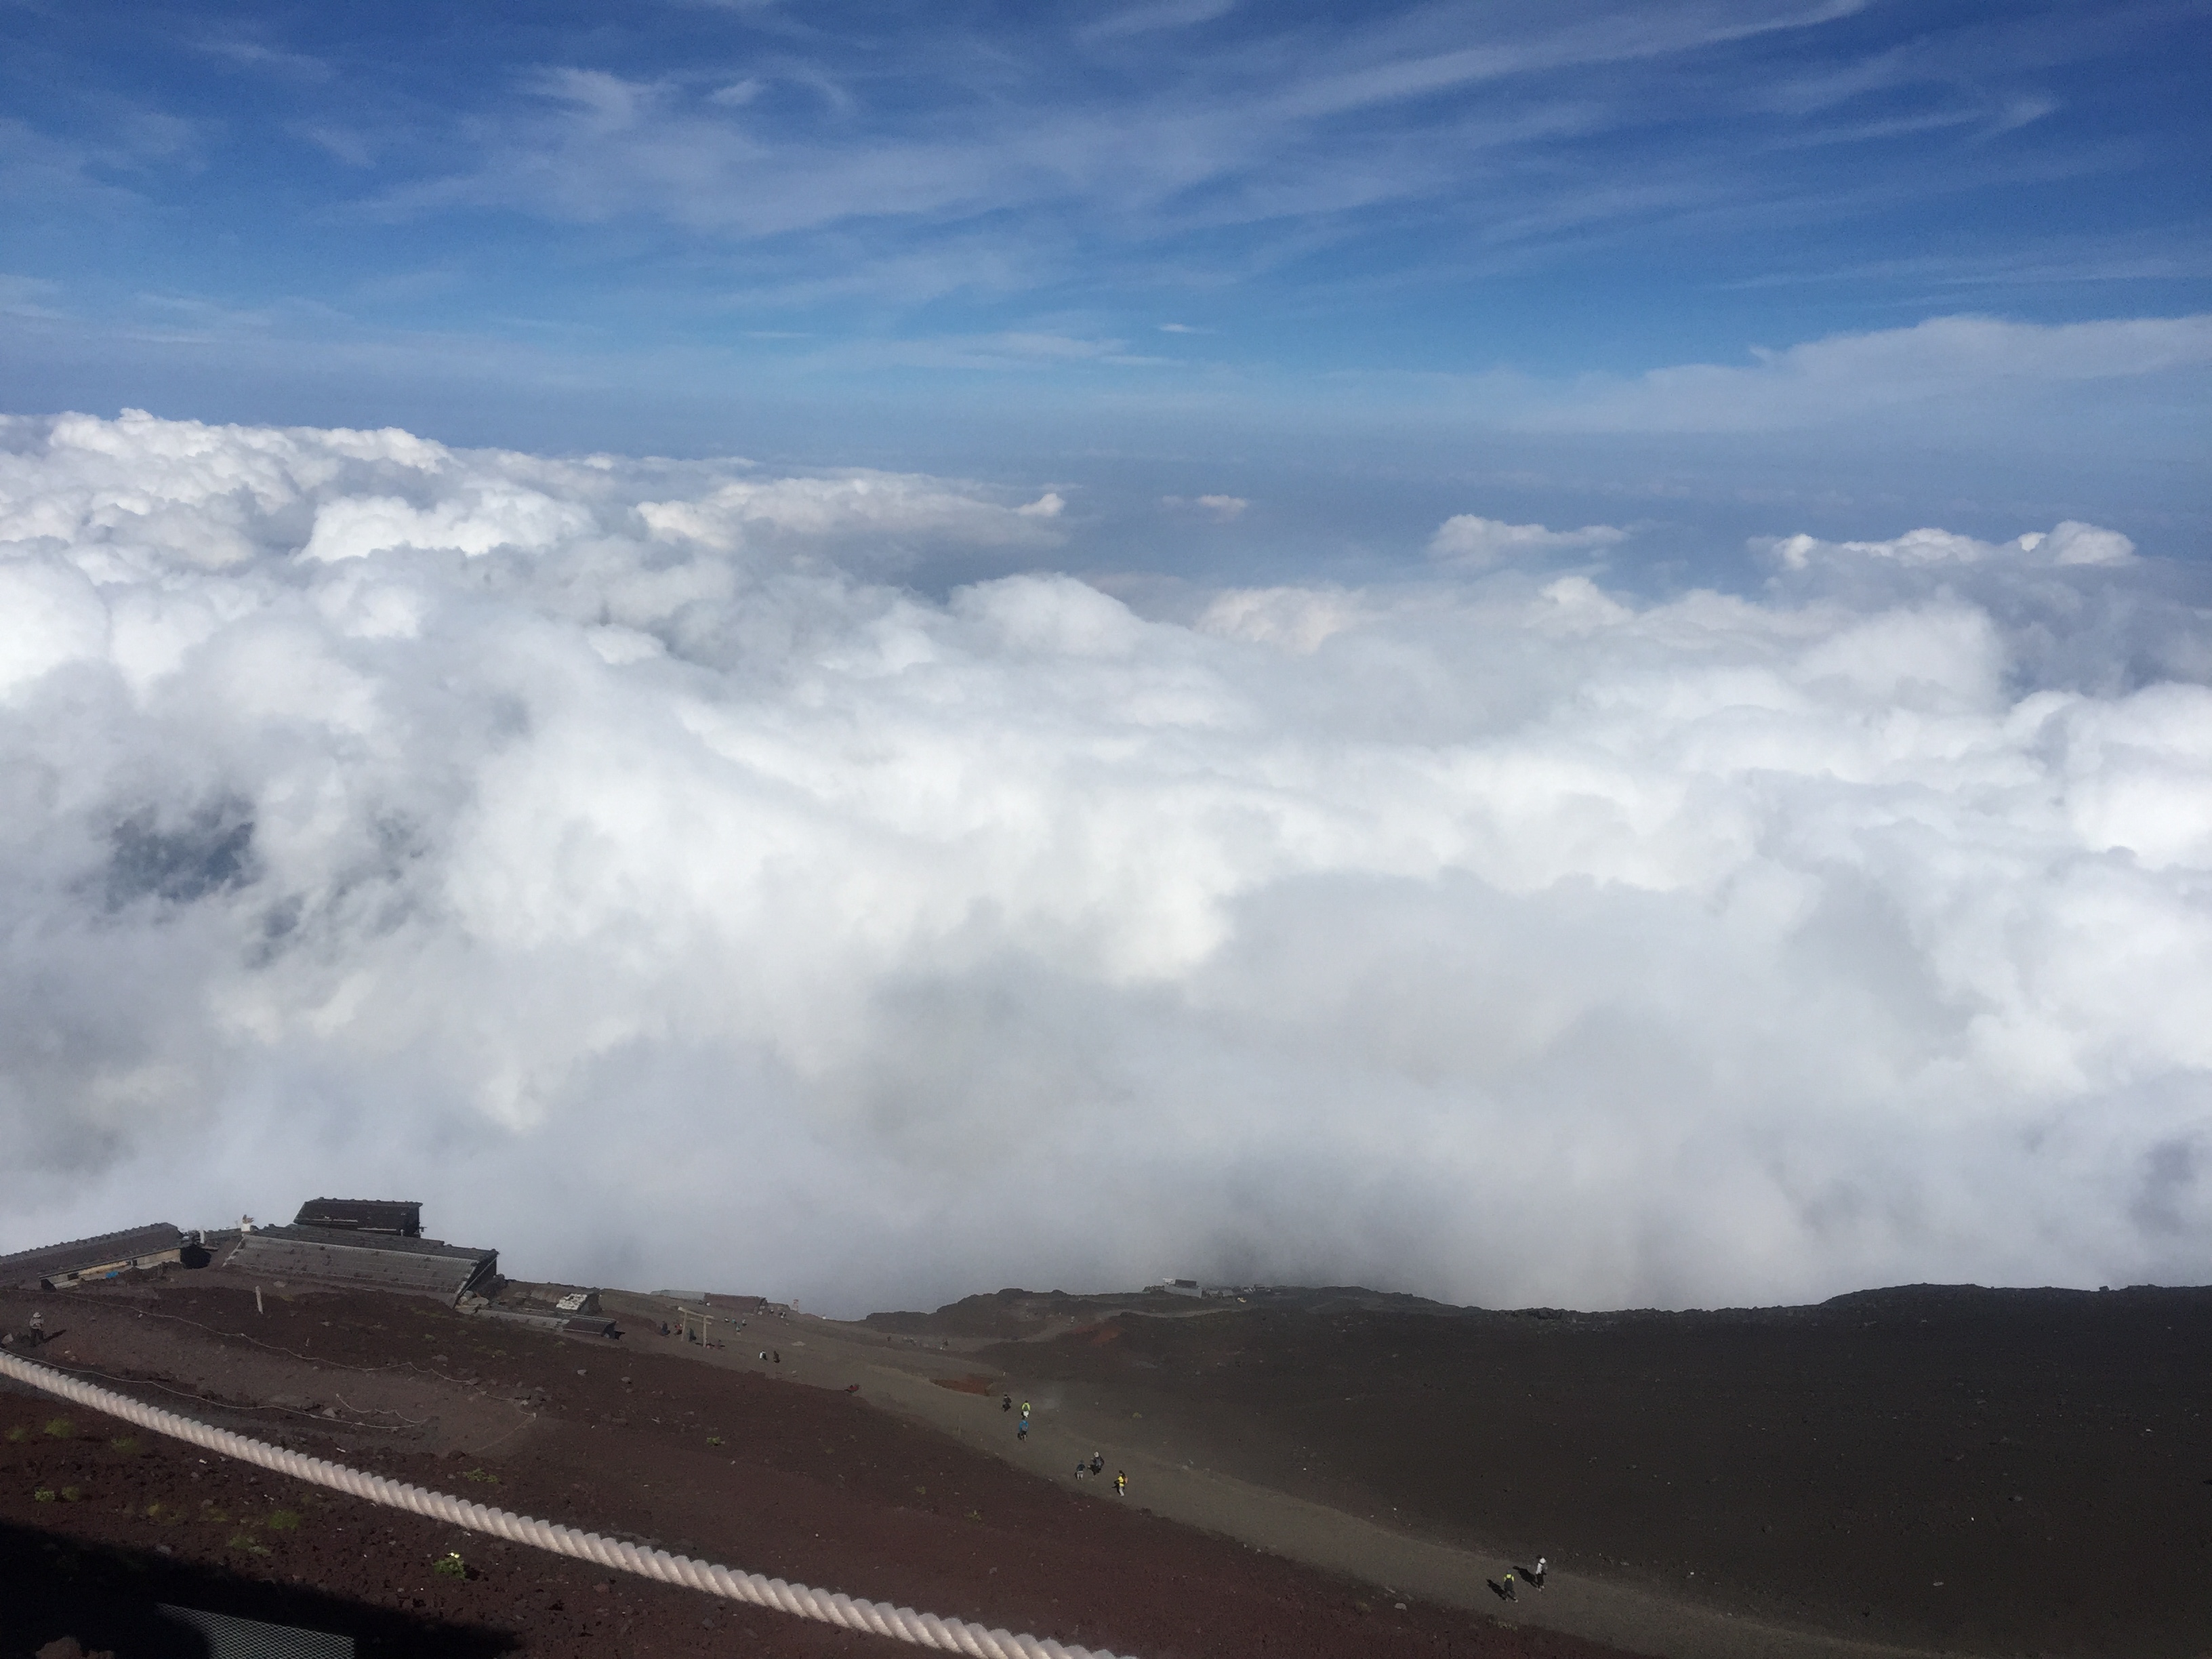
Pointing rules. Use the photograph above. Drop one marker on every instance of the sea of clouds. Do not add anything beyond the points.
(617, 855)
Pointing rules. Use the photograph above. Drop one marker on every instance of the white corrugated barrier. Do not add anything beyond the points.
(903, 1624)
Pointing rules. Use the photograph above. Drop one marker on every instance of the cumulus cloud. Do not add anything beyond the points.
(1298, 619)
(894, 509)
(609, 853)
(1478, 543)
(2072, 543)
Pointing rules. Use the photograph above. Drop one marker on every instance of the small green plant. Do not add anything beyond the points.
(18, 1435)
(61, 1428)
(480, 1477)
(281, 1521)
(72, 1494)
(714, 1439)
(43, 1495)
(153, 1511)
(125, 1444)
(244, 1540)
(451, 1565)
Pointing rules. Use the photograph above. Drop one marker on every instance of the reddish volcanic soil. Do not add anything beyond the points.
(629, 1438)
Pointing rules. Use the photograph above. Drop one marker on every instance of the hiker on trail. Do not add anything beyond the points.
(1510, 1594)
(1022, 1429)
(1120, 1482)
(1005, 1402)
(1025, 1408)
(776, 1356)
(1082, 1469)
(1536, 1574)
(1097, 1464)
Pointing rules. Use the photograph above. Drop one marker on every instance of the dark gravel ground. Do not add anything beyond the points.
(97, 1523)
(1987, 1472)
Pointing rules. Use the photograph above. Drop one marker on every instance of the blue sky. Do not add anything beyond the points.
(1728, 267)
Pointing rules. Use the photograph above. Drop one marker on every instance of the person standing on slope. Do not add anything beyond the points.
(1120, 1482)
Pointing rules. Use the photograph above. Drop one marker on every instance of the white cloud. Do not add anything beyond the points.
(600, 852)
(2070, 543)
(355, 526)
(1159, 14)
(1298, 619)
(28, 297)
(269, 60)
(50, 616)
(1222, 509)
(1478, 544)
(893, 509)
(738, 93)
(956, 128)
(1847, 377)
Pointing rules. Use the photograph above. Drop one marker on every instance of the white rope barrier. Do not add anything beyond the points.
(879, 1617)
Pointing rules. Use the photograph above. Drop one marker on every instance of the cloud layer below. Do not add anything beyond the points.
(612, 855)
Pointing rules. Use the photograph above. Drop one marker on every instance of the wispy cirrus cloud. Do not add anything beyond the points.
(832, 168)
(844, 158)
(1433, 198)
(104, 172)
(1280, 126)
(259, 56)
(1974, 361)
(1150, 19)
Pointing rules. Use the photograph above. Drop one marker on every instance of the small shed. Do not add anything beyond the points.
(403, 1218)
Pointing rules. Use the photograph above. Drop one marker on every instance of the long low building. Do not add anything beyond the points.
(368, 1215)
(102, 1256)
(384, 1261)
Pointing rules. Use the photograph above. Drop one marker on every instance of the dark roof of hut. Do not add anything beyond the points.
(368, 1215)
(380, 1260)
(28, 1266)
